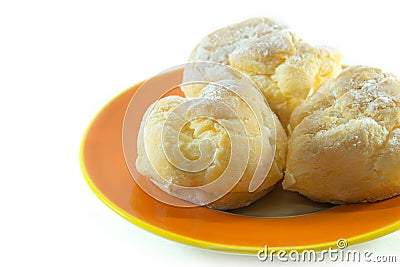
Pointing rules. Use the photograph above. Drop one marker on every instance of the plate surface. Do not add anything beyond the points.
(104, 168)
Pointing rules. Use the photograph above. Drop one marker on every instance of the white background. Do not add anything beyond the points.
(61, 61)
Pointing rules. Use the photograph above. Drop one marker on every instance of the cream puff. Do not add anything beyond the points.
(285, 68)
(345, 140)
(185, 144)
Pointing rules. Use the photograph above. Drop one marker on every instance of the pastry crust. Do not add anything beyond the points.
(154, 164)
(345, 141)
(286, 69)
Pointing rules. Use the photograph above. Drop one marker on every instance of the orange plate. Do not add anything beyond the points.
(105, 170)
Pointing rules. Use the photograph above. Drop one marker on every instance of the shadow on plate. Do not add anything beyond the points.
(282, 203)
